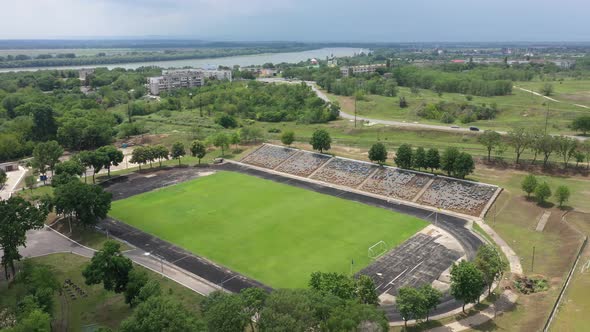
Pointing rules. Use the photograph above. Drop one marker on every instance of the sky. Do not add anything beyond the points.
(300, 20)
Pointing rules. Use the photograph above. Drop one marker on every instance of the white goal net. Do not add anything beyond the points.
(377, 249)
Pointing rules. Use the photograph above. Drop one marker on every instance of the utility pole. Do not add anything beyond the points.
(355, 98)
(533, 260)
(546, 115)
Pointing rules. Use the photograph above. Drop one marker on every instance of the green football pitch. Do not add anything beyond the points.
(275, 233)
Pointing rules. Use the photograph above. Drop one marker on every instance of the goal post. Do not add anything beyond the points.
(377, 250)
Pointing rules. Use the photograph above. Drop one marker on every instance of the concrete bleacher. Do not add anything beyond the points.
(344, 172)
(418, 261)
(396, 183)
(438, 191)
(456, 195)
(303, 163)
(269, 156)
(459, 196)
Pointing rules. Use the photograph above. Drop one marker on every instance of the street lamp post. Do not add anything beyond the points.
(158, 257)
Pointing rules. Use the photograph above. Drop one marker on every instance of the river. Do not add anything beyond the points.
(241, 60)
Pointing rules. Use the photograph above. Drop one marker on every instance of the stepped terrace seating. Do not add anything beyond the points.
(269, 156)
(396, 183)
(344, 172)
(459, 196)
(303, 163)
(417, 262)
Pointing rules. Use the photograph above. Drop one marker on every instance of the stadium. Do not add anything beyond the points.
(279, 214)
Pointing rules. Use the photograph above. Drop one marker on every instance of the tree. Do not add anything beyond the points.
(221, 140)
(160, 152)
(547, 89)
(226, 121)
(448, 160)
(354, 316)
(403, 157)
(251, 134)
(466, 282)
(419, 158)
(253, 299)
(3, 178)
(337, 284)
(566, 147)
(562, 194)
(34, 321)
(411, 304)
(235, 139)
(113, 156)
(177, 151)
(582, 123)
(137, 280)
(546, 144)
(489, 261)
(72, 167)
(378, 153)
(463, 165)
(432, 298)
(542, 192)
(432, 159)
(30, 181)
(44, 126)
(198, 149)
(139, 156)
(46, 155)
(579, 156)
(366, 291)
(224, 312)
(529, 184)
(109, 267)
(85, 202)
(288, 137)
(150, 289)
(402, 102)
(490, 140)
(162, 314)
(519, 139)
(17, 216)
(95, 159)
(321, 140)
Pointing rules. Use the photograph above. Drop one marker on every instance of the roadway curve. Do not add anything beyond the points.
(400, 124)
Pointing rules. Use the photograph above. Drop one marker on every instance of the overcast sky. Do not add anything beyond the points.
(301, 20)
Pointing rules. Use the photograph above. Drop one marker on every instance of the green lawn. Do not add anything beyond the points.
(275, 233)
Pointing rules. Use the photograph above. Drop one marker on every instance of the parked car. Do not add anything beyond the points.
(473, 128)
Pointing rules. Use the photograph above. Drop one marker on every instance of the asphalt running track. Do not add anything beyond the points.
(136, 183)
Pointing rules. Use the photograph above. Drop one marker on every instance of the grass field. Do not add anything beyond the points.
(274, 233)
(518, 109)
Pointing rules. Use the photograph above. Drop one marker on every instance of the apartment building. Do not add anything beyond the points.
(184, 78)
(346, 71)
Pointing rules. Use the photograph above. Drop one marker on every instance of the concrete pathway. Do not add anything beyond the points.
(12, 182)
(47, 241)
(504, 303)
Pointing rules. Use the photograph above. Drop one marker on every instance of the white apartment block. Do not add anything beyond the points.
(184, 78)
(345, 71)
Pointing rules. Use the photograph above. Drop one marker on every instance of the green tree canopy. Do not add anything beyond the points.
(562, 194)
(378, 153)
(162, 314)
(529, 184)
(321, 140)
(225, 312)
(432, 159)
(198, 149)
(466, 282)
(109, 267)
(542, 192)
(177, 151)
(582, 123)
(491, 264)
(17, 216)
(403, 157)
(490, 140)
(288, 137)
(419, 158)
(87, 203)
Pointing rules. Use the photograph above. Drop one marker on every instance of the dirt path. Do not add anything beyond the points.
(549, 98)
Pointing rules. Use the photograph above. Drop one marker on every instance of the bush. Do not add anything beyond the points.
(226, 121)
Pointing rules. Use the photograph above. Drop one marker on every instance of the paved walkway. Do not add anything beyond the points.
(46, 241)
(14, 178)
